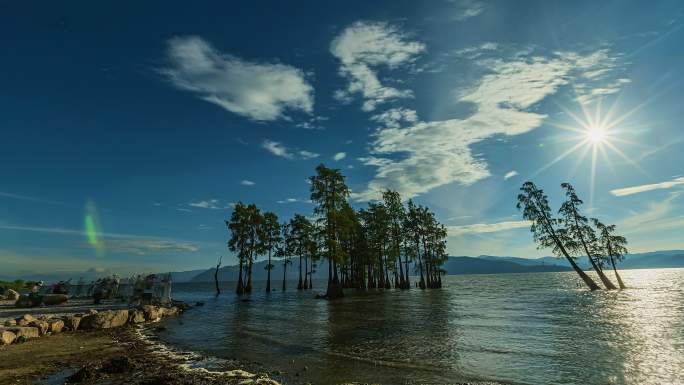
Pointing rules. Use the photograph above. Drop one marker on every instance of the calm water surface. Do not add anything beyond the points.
(540, 328)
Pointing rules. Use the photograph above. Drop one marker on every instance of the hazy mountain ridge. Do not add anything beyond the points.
(483, 264)
(648, 260)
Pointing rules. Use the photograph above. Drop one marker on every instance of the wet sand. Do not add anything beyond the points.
(115, 356)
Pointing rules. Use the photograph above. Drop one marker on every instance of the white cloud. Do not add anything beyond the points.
(308, 154)
(206, 204)
(479, 228)
(147, 246)
(246, 182)
(115, 241)
(258, 91)
(339, 156)
(648, 187)
(510, 174)
(656, 217)
(361, 49)
(469, 8)
(394, 117)
(277, 149)
(597, 78)
(428, 154)
(293, 200)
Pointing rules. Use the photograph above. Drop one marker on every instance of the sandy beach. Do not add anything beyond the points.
(116, 356)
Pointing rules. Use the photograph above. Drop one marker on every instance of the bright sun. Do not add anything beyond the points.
(596, 134)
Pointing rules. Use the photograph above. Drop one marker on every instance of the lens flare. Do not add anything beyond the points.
(91, 228)
(596, 134)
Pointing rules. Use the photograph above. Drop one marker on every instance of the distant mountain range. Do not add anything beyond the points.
(650, 260)
(483, 264)
(455, 265)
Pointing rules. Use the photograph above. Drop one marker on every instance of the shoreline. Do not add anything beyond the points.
(129, 354)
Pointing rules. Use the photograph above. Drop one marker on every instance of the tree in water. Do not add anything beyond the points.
(396, 214)
(239, 241)
(535, 207)
(329, 193)
(255, 224)
(284, 250)
(216, 282)
(613, 247)
(300, 234)
(271, 238)
(413, 233)
(581, 236)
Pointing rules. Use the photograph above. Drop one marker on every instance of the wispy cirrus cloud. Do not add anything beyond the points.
(416, 157)
(258, 91)
(648, 187)
(279, 149)
(247, 182)
(206, 204)
(479, 228)
(116, 242)
(510, 174)
(339, 156)
(466, 9)
(148, 246)
(293, 200)
(365, 47)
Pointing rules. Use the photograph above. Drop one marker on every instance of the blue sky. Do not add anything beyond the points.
(147, 120)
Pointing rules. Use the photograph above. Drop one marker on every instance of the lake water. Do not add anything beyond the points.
(539, 328)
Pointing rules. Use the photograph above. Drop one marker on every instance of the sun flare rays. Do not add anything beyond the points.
(596, 135)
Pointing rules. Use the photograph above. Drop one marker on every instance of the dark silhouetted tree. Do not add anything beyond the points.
(272, 236)
(581, 236)
(545, 228)
(613, 247)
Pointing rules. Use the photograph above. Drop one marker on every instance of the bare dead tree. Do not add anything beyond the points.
(218, 265)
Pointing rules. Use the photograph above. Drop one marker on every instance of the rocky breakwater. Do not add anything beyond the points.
(27, 327)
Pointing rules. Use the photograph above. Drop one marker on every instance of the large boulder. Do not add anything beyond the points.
(56, 325)
(10, 322)
(54, 299)
(24, 331)
(42, 326)
(12, 295)
(104, 320)
(7, 337)
(170, 311)
(136, 316)
(71, 322)
(152, 312)
(25, 320)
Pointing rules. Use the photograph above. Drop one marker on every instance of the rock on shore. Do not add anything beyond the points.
(28, 326)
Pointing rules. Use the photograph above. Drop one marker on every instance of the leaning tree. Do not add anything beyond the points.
(613, 247)
(581, 235)
(545, 228)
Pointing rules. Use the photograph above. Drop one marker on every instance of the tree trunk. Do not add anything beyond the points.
(334, 289)
(218, 290)
(587, 279)
(622, 284)
(240, 286)
(306, 273)
(284, 274)
(248, 288)
(606, 282)
(300, 285)
(268, 279)
(407, 283)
